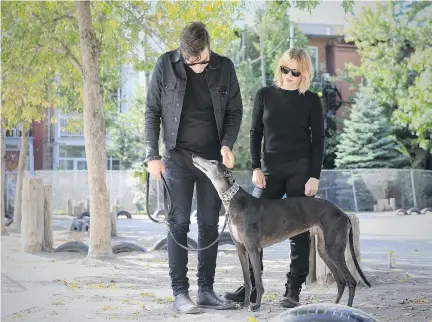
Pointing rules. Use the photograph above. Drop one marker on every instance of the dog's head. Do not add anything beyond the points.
(217, 172)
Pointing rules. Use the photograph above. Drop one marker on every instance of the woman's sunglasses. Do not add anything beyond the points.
(286, 71)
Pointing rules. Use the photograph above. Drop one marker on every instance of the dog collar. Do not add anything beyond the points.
(229, 194)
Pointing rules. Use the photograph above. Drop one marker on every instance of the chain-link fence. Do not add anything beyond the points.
(352, 190)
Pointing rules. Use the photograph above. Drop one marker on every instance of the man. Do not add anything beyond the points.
(195, 93)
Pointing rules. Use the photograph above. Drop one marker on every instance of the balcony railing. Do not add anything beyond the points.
(16, 133)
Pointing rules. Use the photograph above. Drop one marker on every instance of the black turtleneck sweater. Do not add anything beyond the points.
(292, 125)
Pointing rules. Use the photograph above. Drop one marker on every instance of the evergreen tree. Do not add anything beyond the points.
(367, 141)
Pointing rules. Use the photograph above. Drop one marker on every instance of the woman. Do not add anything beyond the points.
(290, 118)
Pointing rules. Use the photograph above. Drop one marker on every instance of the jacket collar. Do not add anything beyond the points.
(215, 61)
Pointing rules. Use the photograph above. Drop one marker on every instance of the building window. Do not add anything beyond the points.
(66, 151)
(66, 164)
(113, 164)
(73, 158)
(313, 52)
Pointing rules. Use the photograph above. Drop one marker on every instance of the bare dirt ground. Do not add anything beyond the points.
(135, 286)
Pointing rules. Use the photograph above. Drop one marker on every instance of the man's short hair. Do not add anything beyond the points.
(194, 38)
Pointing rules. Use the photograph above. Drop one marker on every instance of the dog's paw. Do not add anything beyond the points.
(253, 307)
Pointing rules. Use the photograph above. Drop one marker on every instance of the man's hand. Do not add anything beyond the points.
(311, 187)
(227, 157)
(156, 168)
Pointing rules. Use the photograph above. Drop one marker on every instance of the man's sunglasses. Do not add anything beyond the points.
(287, 70)
(198, 63)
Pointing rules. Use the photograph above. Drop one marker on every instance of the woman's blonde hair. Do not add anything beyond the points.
(304, 66)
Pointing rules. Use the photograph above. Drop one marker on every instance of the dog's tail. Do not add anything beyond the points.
(351, 242)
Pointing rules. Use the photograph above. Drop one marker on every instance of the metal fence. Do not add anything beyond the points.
(352, 190)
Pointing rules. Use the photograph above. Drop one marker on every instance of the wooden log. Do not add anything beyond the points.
(32, 224)
(392, 204)
(69, 207)
(48, 233)
(87, 204)
(76, 210)
(324, 277)
(113, 214)
(82, 207)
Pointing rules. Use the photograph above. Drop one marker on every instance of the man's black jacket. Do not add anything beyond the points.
(165, 100)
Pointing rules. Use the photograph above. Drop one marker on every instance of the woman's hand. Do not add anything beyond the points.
(258, 178)
(311, 187)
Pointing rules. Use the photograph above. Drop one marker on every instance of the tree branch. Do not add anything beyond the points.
(55, 20)
(74, 61)
(416, 8)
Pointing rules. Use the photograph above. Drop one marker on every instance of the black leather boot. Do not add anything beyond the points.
(208, 299)
(184, 304)
(239, 295)
(293, 287)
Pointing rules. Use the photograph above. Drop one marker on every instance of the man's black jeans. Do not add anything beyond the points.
(181, 177)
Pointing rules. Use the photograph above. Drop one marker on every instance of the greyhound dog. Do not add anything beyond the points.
(258, 223)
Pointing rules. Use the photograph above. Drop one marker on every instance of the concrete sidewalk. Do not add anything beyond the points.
(135, 286)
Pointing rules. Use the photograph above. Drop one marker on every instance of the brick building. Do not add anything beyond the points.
(330, 53)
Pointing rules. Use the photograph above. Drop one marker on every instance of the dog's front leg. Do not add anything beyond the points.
(254, 255)
(244, 262)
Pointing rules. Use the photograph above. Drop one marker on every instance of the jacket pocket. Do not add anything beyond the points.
(168, 91)
(223, 93)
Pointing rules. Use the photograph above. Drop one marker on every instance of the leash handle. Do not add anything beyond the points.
(169, 214)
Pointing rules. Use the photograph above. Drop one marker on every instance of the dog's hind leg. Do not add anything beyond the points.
(254, 255)
(244, 262)
(335, 245)
(340, 281)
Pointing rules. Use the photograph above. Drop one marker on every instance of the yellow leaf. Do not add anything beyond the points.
(252, 319)
(209, 7)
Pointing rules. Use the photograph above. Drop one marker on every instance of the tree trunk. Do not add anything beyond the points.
(95, 135)
(19, 184)
(48, 233)
(32, 225)
(2, 180)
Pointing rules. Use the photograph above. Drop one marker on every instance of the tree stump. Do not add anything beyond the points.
(32, 224)
(69, 207)
(48, 234)
(322, 274)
